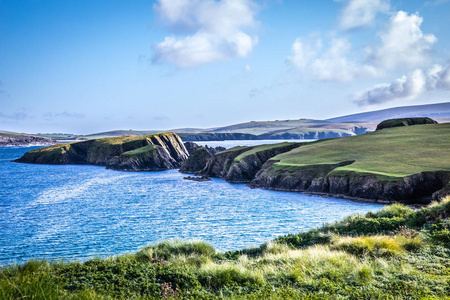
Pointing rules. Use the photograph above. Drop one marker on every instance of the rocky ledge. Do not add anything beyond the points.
(24, 140)
(131, 153)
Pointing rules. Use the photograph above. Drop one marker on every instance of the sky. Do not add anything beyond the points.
(78, 66)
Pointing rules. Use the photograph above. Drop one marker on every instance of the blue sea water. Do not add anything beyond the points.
(76, 212)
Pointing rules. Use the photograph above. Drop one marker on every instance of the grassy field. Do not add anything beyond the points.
(256, 149)
(389, 153)
(396, 253)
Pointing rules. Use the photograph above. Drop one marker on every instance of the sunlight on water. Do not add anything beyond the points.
(79, 212)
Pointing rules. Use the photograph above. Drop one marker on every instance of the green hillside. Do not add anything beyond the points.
(389, 153)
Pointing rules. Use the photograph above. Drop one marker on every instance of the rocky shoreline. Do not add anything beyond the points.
(133, 153)
(24, 140)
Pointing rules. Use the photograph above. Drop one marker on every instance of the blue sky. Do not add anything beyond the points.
(80, 66)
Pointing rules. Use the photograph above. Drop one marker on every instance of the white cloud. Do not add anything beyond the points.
(217, 31)
(407, 87)
(328, 63)
(361, 13)
(403, 44)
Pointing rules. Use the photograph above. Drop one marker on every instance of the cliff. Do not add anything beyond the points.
(130, 153)
(24, 140)
(240, 164)
(246, 165)
(198, 157)
(406, 164)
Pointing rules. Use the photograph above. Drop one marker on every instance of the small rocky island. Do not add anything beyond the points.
(154, 152)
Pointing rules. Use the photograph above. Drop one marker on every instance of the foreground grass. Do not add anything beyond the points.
(390, 153)
(397, 253)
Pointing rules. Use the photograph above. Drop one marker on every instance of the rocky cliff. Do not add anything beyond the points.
(404, 164)
(318, 179)
(130, 153)
(245, 166)
(240, 164)
(198, 157)
(24, 140)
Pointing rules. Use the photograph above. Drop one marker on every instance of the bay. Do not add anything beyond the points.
(77, 212)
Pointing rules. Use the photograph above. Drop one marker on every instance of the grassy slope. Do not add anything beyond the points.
(256, 149)
(390, 153)
(139, 150)
(396, 253)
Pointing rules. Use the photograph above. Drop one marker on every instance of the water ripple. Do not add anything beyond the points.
(80, 212)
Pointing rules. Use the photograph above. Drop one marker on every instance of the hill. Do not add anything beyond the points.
(433, 111)
(400, 163)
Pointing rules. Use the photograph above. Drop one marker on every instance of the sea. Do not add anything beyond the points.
(79, 212)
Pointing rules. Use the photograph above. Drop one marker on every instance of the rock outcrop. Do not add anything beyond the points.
(24, 140)
(442, 193)
(245, 166)
(240, 164)
(131, 153)
(404, 122)
(196, 161)
(198, 157)
(318, 180)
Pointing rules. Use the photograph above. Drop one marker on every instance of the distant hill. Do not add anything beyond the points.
(434, 111)
(349, 125)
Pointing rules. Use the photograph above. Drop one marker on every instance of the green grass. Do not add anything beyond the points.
(405, 256)
(138, 151)
(390, 153)
(256, 149)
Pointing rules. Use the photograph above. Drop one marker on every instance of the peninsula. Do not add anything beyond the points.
(130, 153)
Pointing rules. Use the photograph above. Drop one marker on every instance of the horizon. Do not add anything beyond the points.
(81, 67)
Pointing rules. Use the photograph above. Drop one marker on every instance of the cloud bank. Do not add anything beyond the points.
(407, 87)
(402, 45)
(216, 31)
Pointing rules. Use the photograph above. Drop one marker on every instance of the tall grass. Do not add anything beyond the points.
(397, 253)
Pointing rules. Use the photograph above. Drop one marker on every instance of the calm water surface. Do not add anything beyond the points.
(80, 212)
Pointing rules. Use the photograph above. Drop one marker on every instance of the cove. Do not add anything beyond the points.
(76, 212)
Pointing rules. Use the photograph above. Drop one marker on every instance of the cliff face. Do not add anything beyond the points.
(198, 157)
(317, 179)
(196, 161)
(218, 165)
(240, 164)
(245, 167)
(132, 153)
(24, 140)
